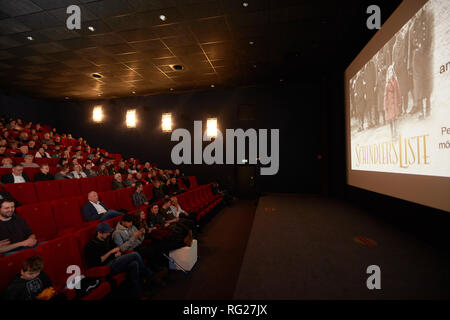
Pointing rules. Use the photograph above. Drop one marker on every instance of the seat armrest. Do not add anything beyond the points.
(98, 272)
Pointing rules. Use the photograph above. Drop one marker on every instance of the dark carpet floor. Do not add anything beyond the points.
(304, 247)
(221, 248)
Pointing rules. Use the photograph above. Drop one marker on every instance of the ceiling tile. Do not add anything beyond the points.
(40, 20)
(9, 26)
(18, 8)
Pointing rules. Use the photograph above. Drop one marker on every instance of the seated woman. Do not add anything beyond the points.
(77, 173)
(102, 171)
(41, 154)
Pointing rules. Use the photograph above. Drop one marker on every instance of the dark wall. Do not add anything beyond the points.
(295, 109)
(27, 108)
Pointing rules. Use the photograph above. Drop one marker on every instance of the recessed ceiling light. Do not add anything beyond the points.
(66, 98)
(30, 38)
(171, 89)
(162, 17)
(212, 86)
(91, 28)
(134, 92)
(177, 67)
(245, 4)
(254, 66)
(251, 43)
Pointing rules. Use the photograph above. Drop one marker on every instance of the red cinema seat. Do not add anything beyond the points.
(58, 255)
(54, 170)
(104, 183)
(39, 217)
(4, 171)
(18, 160)
(47, 190)
(83, 236)
(181, 184)
(22, 192)
(41, 161)
(193, 181)
(87, 185)
(124, 198)
(67, 214)
(148, 191)
(11, 265)
(31, 172)
(69, 188)
(109, 198)
(53, 162)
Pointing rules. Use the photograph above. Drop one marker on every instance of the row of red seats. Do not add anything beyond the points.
(42, 191)
(59, 254)
(39, 161)
(68, 248)
(54, 218)
(200, 200)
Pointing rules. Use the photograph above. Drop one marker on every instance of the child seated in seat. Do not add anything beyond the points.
(31, 283)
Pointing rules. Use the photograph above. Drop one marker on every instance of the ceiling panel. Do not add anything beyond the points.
(134, 48)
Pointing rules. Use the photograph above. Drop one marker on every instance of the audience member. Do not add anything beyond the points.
(41, 154)
(31, 145)
(138, 196)
(28, 162)
(101, 251)
(15, 233)
(7, 163)
(45, 174)
(128, 237)
(63, 173)
(77, 173)
(102, 170)
(122, 169)
(117, 182)
(97, 210)
(147, 167)
(158, 192)
(3, 152)
(16, 176)
(23, 151)
(30, 282)
(129, 181)
(88, 170)
(47, 139)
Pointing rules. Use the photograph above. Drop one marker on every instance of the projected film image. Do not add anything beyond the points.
(400, 100)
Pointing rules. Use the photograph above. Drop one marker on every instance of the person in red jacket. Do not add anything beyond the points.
(392, 100)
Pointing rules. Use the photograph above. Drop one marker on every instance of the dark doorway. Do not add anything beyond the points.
(246, 181)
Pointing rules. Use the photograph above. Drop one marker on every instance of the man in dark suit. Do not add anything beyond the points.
(16, 176)
(96, 210)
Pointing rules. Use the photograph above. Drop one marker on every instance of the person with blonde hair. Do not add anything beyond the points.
(28, 162)
(77, 173)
